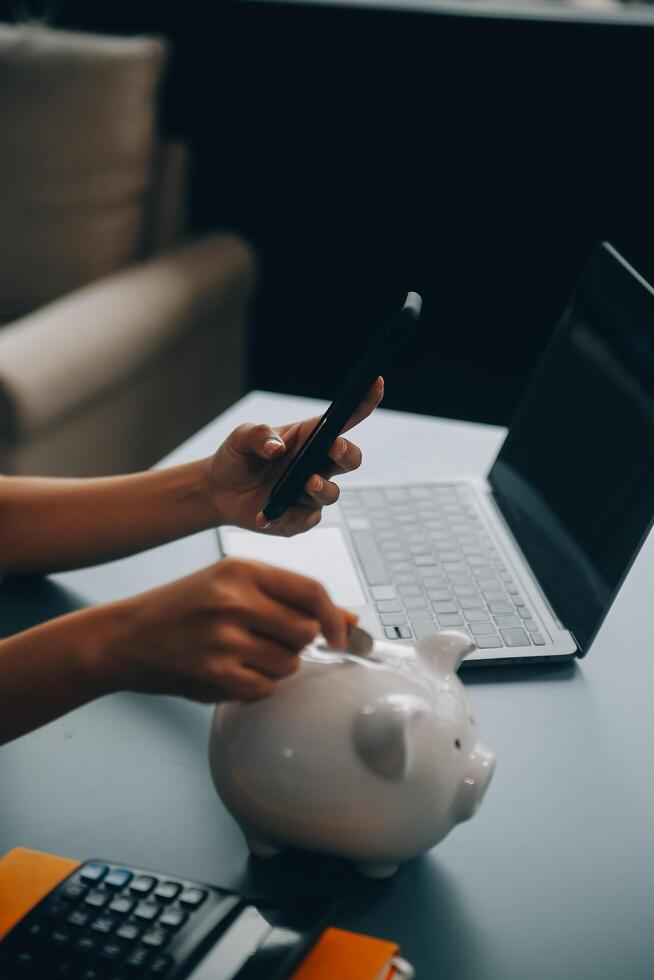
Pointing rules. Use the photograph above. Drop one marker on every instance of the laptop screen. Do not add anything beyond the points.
(575, 476)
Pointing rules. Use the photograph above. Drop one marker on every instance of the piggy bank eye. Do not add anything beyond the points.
(457, 742)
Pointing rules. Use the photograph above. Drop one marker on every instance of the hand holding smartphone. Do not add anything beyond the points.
(379, 359)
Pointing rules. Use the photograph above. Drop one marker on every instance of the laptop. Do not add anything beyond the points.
(528, 560)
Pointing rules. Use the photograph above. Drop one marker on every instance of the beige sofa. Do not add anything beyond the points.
(118, 338)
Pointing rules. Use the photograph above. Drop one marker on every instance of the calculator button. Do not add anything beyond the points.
(137, 958)
(111, 950)
(36, 932)
(103, 924)
(24, 959)
(155, 938)
(146, 911)
(97, 900)
(122, 904)
(143, 884)
(118, 878)
(192, 897)
(129, 931)
(160, 965)
(167, 891)
(59, 937)
(71, 892)
(89, 973)
(78, 918)
(56, 909)
(86, 945)
(173, 918)
(93, 872)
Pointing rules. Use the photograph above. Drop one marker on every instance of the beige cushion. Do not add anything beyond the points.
(78, 123)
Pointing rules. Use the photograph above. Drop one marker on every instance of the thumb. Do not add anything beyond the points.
(258, 440)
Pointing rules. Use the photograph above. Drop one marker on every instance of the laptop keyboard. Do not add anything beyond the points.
(430, 563)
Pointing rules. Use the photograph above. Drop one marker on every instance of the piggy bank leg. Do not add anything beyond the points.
(376, 869)
(261, 848)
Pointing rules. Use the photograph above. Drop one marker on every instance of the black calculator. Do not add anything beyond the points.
(109, 922)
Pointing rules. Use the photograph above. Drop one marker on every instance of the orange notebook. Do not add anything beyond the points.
(27, 876)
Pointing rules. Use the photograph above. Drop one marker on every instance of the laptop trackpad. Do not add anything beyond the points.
(321, 554)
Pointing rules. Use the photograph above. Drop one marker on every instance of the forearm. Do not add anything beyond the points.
(51, 525)
(51, 669)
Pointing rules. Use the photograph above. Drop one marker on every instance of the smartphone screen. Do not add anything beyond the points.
(380, 358)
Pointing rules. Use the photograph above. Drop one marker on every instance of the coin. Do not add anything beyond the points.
(359, 642)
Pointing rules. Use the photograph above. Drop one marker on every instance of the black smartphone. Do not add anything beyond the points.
(379, 358)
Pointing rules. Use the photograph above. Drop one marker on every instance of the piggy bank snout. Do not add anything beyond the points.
(477, 775)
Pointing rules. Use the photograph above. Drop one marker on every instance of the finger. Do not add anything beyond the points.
(245, 684)
(368, 405)
(270, 659)
(296, 520)
(276, 622)
(345, 456)
(351, 619)
(319, 491)
(257, 440)
(308, 596)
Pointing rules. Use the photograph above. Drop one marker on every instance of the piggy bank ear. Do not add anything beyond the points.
(381, 734)
(445, 650)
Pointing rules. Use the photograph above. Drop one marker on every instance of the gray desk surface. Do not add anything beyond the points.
(552, 880)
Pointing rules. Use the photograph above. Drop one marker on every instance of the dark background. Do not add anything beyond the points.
(368, 152)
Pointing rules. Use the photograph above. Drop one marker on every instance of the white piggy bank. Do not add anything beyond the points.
(373, 758)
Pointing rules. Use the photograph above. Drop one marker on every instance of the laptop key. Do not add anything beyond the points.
(393, 619)
(406, 578)
(407, 590)
(524, 613)
(516, 638)
(445, 607)
(470, 601)
(449, 620)
(538, 640)
(439, 595)
(389, 605)
(467, 592)
(506, 622)
(429, 571)
(500, 607)
(420, 616)
(384, 592)
(480, 629)
(434, 581)
(476, 615)
(531, 625)
(488, 642)
(370, 557)
(415, 602)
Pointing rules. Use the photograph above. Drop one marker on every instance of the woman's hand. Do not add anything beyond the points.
(244, 470)
(230, 631)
